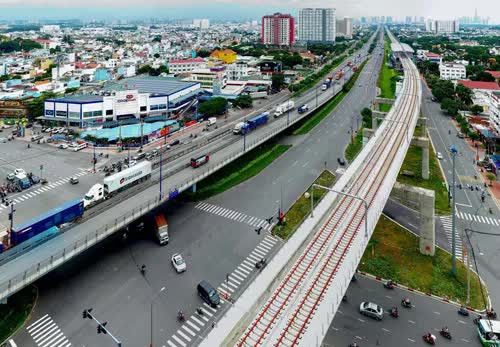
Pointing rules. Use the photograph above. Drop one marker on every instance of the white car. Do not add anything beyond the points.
(178, 263)
(439, 155)
(19, 172)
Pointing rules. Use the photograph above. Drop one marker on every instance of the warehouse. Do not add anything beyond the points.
(133, 98)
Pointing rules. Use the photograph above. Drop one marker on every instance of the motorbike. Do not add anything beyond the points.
(491, 314)
(180, 316)
(406, 303)
(199, 310)
(261, 263)
(44, 181)
(389, 284)
(429, 338)
(394, 312)
(463, 311)
(476, 320)
(445, 333)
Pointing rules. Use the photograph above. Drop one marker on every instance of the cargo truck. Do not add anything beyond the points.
(251, 124)
(326, 85)
(284, 107)
(237, 127)
(201, 160)
(161, 230)
(117, 182)
(22, 181)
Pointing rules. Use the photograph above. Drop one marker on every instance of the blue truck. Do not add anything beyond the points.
(65, 213)
(254, 122)
(22, 181)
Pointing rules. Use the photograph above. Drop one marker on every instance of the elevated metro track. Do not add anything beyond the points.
(127, 207)
(296, 305)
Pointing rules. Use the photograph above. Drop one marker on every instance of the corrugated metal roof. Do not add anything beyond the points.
(150, 85)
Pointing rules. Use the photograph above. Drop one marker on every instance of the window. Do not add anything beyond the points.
(152, 107)
(75, 115)
(60, 113)
(109, 112)
(144, 108)
(49, 112)
(91, 114)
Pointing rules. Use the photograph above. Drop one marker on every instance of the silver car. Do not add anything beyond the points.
(372, 310)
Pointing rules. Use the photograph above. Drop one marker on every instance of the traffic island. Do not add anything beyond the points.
(16, 311)
(301, 208)
(393, 253)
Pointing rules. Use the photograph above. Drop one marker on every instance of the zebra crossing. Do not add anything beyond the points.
(41, 189)
(46, 333)
(235, 215)
(479, 219)
(446, 222)
(190, 332)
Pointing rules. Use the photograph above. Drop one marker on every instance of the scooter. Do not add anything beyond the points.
(463, 311)
(406, 303)
(261, 263)
(180, 316)
(394, 312)
(389, 284)
(445, 333)
(429, 338)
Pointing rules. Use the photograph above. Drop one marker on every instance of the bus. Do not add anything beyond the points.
(489, 332)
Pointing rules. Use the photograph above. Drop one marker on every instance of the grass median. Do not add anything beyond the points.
(302, 207)
(393, 252)
(240, 170)
(16, 311)
(385, 83)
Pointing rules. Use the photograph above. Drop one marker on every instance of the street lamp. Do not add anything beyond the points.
(161, 165)
(454, 152)
(152, 301)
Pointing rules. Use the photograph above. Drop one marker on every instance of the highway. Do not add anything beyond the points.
(107, 279)
(286, 316)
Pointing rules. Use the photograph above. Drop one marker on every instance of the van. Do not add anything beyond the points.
(79, 147)
(208, 293)
(212, 121)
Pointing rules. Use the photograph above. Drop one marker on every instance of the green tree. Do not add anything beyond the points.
(278, 81)
(443, 89)
(144, 69)
(491, 177)
(482, 76)
(366, 114)
(450, 106)
(36, 106)
(157, 38)
(213, 107)
(476, 109)
(243, 101)
(156, 55)
(203, 53)
(464, 94)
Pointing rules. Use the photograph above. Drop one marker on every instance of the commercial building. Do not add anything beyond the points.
(278, 29)
(14, 108)
(131, 98)
(494, 97)
(317, 25)
(213, 79)
(343, 27)
(201, 23)
(178, 66)
(442, 26)
(451, 71)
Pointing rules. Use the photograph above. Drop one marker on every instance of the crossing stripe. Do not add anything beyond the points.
(195, 327)
(210, 307)
(239, 275)
(243, 269)
(171, 344)
(197, 320)
(179, 341)
(226, 287)
(189, 331)
(183, 335)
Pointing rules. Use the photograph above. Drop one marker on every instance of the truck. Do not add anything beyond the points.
(254, 122)
(339, 75)
(117, 182)
(326, 85)
(199, 161)
(303, 108)
(65, 213)
(161, 230)
(349, 63)
(284, 107)
(22, 181)
(238, 127)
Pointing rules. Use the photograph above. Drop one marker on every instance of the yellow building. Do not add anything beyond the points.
(226, 55)
(45, 64)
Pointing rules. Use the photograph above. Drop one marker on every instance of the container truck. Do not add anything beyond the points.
(119, 181)
(254, 122)
(326, 85)
(238, 127)
(284, 107)
(199, 161)
(161, 230)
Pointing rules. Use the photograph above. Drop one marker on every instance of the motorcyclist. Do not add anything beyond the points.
(143, 269)
(180, 314)
(406, 301)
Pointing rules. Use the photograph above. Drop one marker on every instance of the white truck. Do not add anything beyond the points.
(237, 127)
(161, 230)
(284, 107)
(114, 183)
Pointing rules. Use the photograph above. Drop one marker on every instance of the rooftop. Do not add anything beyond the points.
(78, 98)
(479, 85)
(150, 85)
(495, 74)
(185, 61)
(401, 47)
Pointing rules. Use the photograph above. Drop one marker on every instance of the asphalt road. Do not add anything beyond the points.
(472, 213)
(213, 241)
(426, 315)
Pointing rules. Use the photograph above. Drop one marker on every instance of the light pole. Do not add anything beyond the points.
(161, 164)
(101, 327)
(454, 152)
(94, 157)
(152, 301)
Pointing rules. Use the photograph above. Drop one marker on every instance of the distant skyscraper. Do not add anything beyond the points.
(317, 25)
(201, 23)
(408, 20)
(278, 29)
(363, 20)
(442, 26)
(343, 27)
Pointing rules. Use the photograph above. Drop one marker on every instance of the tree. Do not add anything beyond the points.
(450, 106)
(157, 38)
(366, 113)
(156, 55)
(36, 106)
(476, 109)
(243, 101)
(203, 53)
(491, 177)
(464, 94)
(442, 89)
(213, 107)
(278, 80)
(482, 76)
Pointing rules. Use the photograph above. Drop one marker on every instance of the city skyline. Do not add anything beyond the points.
(223, 9)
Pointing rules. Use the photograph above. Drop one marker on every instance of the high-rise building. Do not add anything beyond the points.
(201, 23)
(343, 27)
(408, 20)
(363, 20)
(389, 19)
(317, 25)
(278, 29)
(442, 26)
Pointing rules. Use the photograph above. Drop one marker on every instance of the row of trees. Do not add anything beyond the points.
(148, 69)
(312, 79)
(17, 45)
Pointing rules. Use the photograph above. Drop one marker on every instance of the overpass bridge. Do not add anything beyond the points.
(295, 298)
(121, 210)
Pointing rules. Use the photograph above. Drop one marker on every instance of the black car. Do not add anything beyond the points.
(341, 161)
(208, 293)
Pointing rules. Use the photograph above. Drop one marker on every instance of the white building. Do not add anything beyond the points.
(495, 110)
(201, 23)
(210, 79)
(442, 26)
(178, 66)
(343, 27)
(239, 70)
(50, 29)
(451, 71)
(317, 25)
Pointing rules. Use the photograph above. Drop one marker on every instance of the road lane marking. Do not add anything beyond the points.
(461, 321)
(179, 341)
(436, 312)
(465, 340)
(388, 297)
(384, 329)
(362, 321)
(171, 344)
(187, 338)
(410, 321)
(411, 340)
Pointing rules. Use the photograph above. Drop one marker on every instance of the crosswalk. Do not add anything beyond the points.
(46, 333)
(42, 189)
(190, 332)
(447, 225)
(235, 215)
(479, 219)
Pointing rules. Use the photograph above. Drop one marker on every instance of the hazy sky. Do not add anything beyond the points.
(220, 9)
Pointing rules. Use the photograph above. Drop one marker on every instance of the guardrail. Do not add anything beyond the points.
(43, 267)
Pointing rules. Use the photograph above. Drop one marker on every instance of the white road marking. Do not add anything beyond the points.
(179, 341)
(410, 321)
(187, 338)
(411, 340)
(384, 329)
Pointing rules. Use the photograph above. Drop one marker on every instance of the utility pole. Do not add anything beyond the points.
(154, 298)
(454, 152)
(161, 164)
(11, 216)
(101, 327)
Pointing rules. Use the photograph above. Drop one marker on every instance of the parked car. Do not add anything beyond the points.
(178, 263)
(19, 172)
(73, 180)
(371, 310)
(11, 177)
(34, 179)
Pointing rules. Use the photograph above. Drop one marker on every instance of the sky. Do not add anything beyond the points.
(240, 9)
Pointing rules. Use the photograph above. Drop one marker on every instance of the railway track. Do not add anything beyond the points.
(285, 316)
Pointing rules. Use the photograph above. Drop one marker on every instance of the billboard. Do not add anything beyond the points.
(126, 102)
(270, 67)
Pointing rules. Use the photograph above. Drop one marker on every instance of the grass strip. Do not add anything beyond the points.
(387, 89)
(240, 170)
(16, 311)
(393, 252)
(302, 207)
(355, 146)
